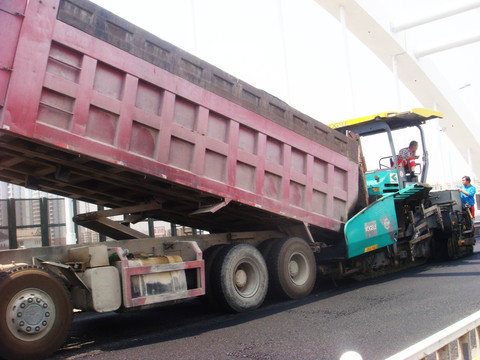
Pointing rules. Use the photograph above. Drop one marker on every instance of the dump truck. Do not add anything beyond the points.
(96, 109)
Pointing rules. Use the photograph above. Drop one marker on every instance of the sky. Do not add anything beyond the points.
(295, 50)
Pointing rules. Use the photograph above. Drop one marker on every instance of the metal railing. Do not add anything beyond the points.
(455, 338)
(31, 222)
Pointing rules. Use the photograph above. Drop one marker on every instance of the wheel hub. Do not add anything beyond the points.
(30, 314)
(298, 269)
(293, 268)
(240, 278)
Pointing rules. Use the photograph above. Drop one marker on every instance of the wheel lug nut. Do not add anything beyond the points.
(22, 305)
(44, 323)
(28, 328)
(21, 323)
(30, 300)
(19, 314)
(45, 305)
(47, 314)
(37, 328)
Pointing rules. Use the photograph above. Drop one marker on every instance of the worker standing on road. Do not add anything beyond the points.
(467, 194)
(406, 156)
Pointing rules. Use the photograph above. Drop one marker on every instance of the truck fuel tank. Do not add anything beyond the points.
(105, 290)
(157, 283)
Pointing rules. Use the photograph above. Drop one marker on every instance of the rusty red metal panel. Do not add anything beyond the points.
(11, 18)
(32, 55)
(96, 100)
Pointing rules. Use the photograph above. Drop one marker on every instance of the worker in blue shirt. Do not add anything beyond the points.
(467, 194)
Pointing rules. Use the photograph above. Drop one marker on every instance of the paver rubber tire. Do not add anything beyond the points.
(439, 245)
(469, 249)
(451, 248)
(292, 269)
(36, 313)
(240, 278)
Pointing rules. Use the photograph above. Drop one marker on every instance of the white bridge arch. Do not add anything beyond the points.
(413, 67)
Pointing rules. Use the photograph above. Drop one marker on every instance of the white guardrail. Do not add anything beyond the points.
(455, 337)
(452, 343)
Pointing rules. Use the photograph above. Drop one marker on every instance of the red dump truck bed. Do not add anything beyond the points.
(96, 109)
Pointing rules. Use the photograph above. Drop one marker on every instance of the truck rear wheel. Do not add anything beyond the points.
(36, 313)
(266, 246)
(292, 269)
(209, 256)
(239, 278)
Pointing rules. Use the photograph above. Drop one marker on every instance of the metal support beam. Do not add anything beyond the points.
(397, 26)
(12, 225)
(74, 213)
(44, 221)
(102, 237)
(173, 229)
(447, 45)
(151, 228)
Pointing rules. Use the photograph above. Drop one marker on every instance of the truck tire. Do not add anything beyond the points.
(209, 256)
(239, 278)
(292, 269)
(266, 246)
(36, 313)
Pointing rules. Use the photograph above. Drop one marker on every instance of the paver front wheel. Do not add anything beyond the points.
(36, 313)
